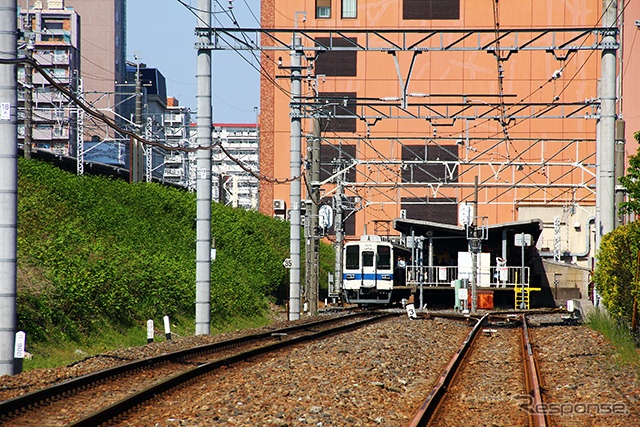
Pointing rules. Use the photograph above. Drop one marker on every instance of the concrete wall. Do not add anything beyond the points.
(566, 281)
(577, 232)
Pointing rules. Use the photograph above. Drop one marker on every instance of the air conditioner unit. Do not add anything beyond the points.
(279, 205)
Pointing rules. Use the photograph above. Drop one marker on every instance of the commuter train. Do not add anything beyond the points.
(373, 272)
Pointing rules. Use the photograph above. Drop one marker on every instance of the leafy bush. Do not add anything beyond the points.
(95, 250)
(616, 268)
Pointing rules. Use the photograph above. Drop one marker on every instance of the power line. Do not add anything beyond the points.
(110, 123)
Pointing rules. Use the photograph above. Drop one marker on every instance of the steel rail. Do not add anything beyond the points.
(72, 386)
(428, 408)
(537, 417)
(119, 409)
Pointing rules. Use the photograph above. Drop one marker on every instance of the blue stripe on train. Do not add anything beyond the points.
(369, 276)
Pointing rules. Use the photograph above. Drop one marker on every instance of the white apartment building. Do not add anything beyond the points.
(232, 183)
(52, 37)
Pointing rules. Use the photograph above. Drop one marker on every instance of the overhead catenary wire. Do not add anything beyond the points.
(551, 79)
(264, 73)
(97, 115)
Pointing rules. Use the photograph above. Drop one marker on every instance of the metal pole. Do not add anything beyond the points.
(8, 184)
(28, 97)
(620, 170)
(522, 304)
(147, 154)
(80, 134)
(474, 251)
(203, 178)
(606, 144)
(296, 132)
(136, 173)
(337, 283)
(314, 159)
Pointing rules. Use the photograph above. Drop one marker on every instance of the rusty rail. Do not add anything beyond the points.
(22, 403)
(537, 416)
(428, 408)
(119, 409)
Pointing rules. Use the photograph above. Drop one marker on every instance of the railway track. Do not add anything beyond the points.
(100, 397)
(488, 379)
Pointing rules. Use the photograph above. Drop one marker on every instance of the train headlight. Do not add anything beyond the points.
(386, 277)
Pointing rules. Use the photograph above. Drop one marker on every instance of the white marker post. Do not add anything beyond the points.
(167, 328)
(149, 331)
(411, 311)
(18, 351)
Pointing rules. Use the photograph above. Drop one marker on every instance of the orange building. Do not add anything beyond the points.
(417, 98)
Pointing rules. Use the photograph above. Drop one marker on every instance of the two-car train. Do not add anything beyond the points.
(374, 272)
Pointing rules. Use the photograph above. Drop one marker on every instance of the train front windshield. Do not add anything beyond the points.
(352, 260)
(381, 259)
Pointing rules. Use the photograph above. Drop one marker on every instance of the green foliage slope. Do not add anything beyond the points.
(95, 251)
(616, 268)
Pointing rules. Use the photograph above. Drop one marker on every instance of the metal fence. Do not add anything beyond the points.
(496, 277)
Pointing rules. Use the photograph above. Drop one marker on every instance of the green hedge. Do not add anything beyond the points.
(616, 268)
(94, 250)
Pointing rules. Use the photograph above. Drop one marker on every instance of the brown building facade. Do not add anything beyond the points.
(415, 126)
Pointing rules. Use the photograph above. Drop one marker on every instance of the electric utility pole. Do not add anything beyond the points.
(312, 221)
(295, 164)
(8, 184)
(203, 172)
(605, 144)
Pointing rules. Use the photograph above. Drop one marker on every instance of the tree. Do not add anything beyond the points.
(631, 183)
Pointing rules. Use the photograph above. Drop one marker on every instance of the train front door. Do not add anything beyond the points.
(368, 267)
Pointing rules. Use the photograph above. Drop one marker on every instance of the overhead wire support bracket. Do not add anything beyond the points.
(419, 40)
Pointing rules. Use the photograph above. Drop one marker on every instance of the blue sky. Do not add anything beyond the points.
(162, 32)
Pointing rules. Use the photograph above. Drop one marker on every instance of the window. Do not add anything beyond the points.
(367, 259)
(440, 210)
(433, 171)
(343, 105)
(329, 160)
(431, 9)
(349, 8)
(53, 24)
(323, 9)
(337, 62)
(384, 257)
(353, 257)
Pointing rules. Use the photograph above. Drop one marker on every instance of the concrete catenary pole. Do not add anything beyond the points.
(606, 144)
(203, 179)
(296, 133)
(8, 184)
